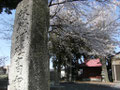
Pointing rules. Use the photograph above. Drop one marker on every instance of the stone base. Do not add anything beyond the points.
(57, 87)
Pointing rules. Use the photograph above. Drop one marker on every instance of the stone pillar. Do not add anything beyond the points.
(115, 76)
(29, 69)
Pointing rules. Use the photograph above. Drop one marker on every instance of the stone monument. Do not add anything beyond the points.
(29, 69)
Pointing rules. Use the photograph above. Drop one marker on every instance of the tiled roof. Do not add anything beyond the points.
(93, 63)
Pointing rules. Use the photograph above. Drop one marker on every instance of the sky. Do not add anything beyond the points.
(5, 24)
(5, 45)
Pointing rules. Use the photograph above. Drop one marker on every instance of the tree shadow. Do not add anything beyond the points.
(87, 86)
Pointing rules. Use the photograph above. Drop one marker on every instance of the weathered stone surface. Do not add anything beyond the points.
(29, 55)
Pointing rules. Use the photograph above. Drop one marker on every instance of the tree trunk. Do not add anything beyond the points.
(59, 70)
(104, 72)
(70, 71)
(67, 73)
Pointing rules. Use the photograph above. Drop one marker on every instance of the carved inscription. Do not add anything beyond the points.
(22, 24)
(29, 54)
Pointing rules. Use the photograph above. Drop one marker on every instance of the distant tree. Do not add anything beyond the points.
(8, 5)
(77, 32)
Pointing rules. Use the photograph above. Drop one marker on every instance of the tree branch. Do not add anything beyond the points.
(62, 2)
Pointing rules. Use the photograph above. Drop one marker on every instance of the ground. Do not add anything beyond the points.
(75, 85)
(91, 86)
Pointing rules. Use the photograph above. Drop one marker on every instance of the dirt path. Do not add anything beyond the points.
(89, 86)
